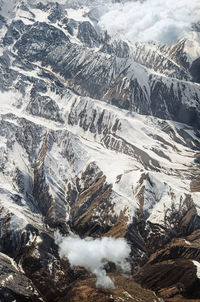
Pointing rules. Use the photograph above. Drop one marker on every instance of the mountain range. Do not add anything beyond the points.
(98, 137)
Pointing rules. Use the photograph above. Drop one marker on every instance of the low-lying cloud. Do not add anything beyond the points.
(151, 20)
(93, 254)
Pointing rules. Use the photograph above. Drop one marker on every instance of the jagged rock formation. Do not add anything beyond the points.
(99, 137)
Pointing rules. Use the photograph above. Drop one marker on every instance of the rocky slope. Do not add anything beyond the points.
(101, 138)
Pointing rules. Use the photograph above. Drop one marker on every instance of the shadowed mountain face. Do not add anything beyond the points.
(99, 137)
(195, 70)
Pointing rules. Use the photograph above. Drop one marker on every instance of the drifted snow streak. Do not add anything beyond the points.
(93, 254)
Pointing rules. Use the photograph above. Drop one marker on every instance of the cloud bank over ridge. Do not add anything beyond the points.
(151, 20)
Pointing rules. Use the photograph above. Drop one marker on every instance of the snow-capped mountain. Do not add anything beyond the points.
(100, 137)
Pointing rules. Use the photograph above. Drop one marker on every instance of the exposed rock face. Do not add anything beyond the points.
(92, 197)
(14, 285)
(170, 278)
(101, 138)
(126, 290)
(171, 271)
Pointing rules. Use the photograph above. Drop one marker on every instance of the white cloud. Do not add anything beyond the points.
(93, 254)
(151, 20)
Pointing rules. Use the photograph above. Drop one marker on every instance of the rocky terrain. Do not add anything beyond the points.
(99, 137)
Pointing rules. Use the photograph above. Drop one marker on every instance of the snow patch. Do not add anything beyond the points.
(197, 264)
